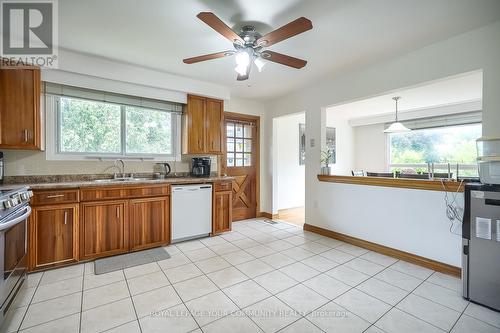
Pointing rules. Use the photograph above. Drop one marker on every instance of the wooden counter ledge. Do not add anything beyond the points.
(417, 184)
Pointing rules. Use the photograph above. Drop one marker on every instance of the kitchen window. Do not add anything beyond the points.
(454, 144)
(102, 125)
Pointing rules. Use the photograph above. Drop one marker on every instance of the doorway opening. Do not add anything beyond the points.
(289, 156)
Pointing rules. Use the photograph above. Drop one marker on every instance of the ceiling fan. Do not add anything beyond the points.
(249, 44)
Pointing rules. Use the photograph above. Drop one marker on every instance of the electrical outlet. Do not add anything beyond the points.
(312, 143)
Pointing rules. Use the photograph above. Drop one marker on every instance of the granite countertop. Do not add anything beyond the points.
(64, 182)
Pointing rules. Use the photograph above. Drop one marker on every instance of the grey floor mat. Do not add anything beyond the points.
(122, 261)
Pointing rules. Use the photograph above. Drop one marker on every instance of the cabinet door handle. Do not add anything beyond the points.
(199, 144)
(117, 212)
(25, 132)
(65, 217)
(54, 196)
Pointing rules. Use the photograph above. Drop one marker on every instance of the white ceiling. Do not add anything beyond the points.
(347, 33)
(447, 91)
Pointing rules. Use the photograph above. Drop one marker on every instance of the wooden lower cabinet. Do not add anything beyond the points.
(103, 229)
(222, 212)
(53, 235)
(149, 222)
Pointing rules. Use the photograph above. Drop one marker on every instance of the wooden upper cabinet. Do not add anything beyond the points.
(149, 222)
(53, 235)
(214, 123)
(20, 119)
(195, 118)
(103, 229)
(203, 126)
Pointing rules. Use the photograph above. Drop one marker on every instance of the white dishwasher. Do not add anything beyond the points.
(191, 211)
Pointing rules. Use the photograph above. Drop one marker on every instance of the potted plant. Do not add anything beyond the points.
(326, 157)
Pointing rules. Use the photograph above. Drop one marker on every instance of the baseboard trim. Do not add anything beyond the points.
(413, 258)
(268, 215)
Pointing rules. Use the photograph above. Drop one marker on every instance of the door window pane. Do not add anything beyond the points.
(230, 160)
(247, 160)
(230, 129)
(248, 131)
(248, 146)
(230, 145)
(239, 130)
(239, 145)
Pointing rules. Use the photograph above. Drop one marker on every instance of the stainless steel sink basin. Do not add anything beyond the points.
(126, 179)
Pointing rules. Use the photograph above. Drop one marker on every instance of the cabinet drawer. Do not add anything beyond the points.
(223, 186)
(122, 192)
(54, 197)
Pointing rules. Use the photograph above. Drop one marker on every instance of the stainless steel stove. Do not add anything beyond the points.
(14, 213)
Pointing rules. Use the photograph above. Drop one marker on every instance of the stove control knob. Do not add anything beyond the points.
(24, 196)
(8, 204)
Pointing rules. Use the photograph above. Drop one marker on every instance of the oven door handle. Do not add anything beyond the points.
(16, 220)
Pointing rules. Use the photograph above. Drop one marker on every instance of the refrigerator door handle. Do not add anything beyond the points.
(465, 268)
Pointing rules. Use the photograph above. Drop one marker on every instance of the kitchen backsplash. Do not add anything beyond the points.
(24, 163)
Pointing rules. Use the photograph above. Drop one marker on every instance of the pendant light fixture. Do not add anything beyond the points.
(397, 127)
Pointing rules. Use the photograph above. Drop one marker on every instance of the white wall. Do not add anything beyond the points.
(410, 220)
(474, 50)
(290, 182)
(370, 148)
(73, 64)
(344, 145)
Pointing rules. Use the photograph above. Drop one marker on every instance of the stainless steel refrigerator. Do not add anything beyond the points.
(481, 245)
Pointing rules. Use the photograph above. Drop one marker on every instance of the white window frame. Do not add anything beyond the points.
(463, 166)
(52, 114)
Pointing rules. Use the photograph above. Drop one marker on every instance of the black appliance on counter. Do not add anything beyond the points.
(200, 167)
(481, 245)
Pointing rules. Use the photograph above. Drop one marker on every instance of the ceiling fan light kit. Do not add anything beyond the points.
(248, 45)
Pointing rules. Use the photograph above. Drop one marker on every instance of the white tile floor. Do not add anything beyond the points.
(258, 278)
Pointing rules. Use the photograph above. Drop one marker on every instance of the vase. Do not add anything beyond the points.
(326, 170)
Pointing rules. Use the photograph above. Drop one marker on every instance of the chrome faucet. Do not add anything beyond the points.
(122, 169)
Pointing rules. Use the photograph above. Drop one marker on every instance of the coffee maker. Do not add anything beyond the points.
(200, 167)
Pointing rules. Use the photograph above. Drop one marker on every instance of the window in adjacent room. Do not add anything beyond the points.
(454, 144)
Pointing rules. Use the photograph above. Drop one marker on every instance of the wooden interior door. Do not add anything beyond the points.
(242, 162)
(149, 221)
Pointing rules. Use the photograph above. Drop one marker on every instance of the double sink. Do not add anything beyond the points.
(121, 179)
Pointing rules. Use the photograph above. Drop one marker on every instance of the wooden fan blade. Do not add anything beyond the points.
(215, 23)
(208, 57)
(288, 30)
(283, 59)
